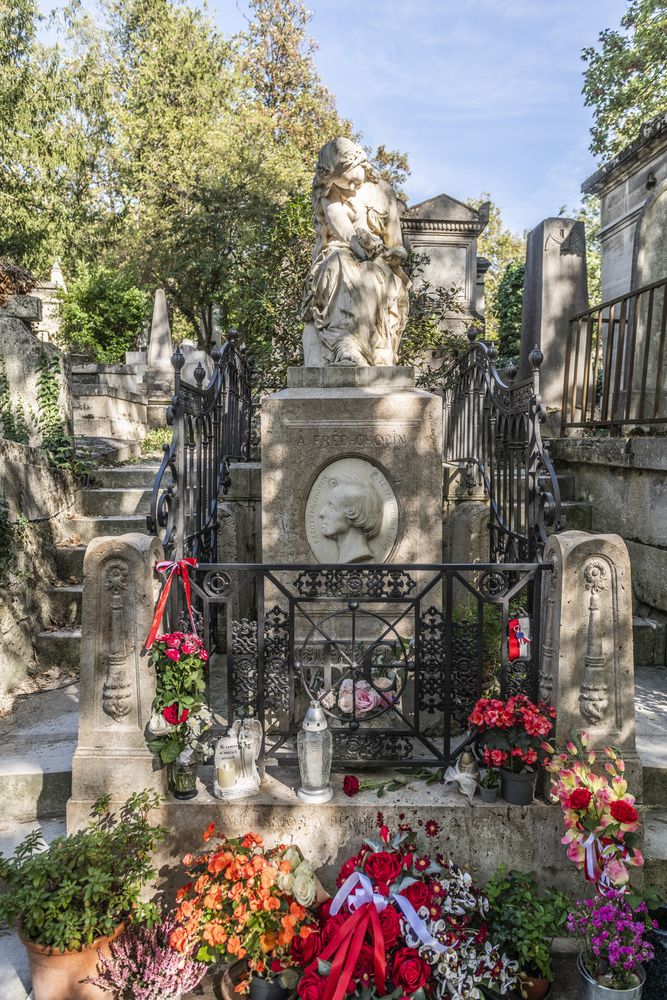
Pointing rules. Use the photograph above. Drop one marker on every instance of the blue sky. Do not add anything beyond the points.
(484, 95)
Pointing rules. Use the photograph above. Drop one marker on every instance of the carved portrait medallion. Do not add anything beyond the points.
(351, 513)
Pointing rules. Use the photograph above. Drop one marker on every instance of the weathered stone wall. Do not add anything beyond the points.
(20, 351)
(625, 480)
(37, 497)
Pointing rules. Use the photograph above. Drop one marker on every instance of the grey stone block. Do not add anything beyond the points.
(60, 649)
(69, 561)
(351, 377)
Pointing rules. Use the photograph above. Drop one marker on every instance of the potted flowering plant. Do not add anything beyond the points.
(245, 904)
(143, 965)
(180, 717)
(601, 821)
(613, 944)
(524, 922)
(511, 734)
(403, 924)
(71, 899)
(489, 784)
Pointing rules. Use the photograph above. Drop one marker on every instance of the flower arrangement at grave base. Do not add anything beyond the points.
(511, 732)
(601, 820)
(403, 924)
(245, 902)
(180, 717)
(143, 965)
(612, 935)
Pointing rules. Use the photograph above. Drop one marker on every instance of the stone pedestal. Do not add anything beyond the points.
(370, 425)
(117, 682)
(159, 374)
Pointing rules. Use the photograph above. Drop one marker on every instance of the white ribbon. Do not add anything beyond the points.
(357, 890)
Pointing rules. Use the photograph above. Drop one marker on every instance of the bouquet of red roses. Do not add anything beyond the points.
(402, 924)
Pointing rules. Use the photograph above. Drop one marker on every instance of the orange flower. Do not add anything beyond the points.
(272, 903)
(187, 860)
(201, 884)
(258, 862)
(241, 985)
(268, 877)
(183, 891)
(306, 930)
(209, 831)
(251, 839)
(234, 945)
(219, 861)
(213, 898)
(268, 941)
(297, 910)
(285, 866)
(185, 910)
(178, 939)
(214, 934)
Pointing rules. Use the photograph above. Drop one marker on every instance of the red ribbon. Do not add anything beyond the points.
(346, 945)
(179, 567)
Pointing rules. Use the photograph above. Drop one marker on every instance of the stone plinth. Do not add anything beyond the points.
(476, 837)
(117, 681)
(556, 288)
(379, 429)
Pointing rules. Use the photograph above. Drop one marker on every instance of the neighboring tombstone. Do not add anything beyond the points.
(587, 668)
(446, 231)
(631, 192)
(467, 539)
(194, 358)
(117, 681)
(555, 289)
(159, 374)
(48, 292)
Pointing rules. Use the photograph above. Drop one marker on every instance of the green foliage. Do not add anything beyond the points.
(502, 247)
(523, 922)
(102, 314)
(55, 440)
(7, 536)
(428, 333)
(83, 885)
(13, 418)
(181, 683)
(625, 81)
(155, 439)
(508, 306)
(490, 778)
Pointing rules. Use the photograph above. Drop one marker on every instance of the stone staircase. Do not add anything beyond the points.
(117, 503)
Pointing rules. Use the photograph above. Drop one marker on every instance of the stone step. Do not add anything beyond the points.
(649, 637)
(107, 449)
(577, 515)
(140, 476)
(651, 720)
(655, 849)
(59, 648)
(119, 500)
(69, 562)
(81, 530)
(65, 605)
(565, 484)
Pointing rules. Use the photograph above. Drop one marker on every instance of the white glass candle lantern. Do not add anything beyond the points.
(314, 747)
(225, 767)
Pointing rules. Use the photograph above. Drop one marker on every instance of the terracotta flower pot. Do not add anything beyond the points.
(57, 975)
(532, 987)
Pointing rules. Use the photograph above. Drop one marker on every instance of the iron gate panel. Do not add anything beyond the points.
(396, 655)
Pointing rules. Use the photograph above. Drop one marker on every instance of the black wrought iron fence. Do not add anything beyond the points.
(212, 427)
(492, 430)
(616, 362)
(396, 655)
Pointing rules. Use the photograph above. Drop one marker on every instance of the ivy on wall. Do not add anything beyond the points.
(13, 419)
(55, 439)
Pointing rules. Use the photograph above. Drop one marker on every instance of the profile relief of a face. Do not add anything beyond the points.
(351, 516)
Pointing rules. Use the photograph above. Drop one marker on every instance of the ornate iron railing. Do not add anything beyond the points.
(396, 655)
(492, 431)
(212, 427)
(616, 362)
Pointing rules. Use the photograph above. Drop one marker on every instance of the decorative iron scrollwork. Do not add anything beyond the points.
(216, 584)
(371, 746)
(493, 584)
(357, 582)
(244, 666)
(277, 678)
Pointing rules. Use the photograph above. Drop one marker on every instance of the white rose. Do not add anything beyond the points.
(293, 856)
(304, 866)
(285, 882)
(305, 891)
(345, 702)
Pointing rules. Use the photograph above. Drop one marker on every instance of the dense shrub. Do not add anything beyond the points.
(103, 314)
(509, 303)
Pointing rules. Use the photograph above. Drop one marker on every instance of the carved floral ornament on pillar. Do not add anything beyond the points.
(117, 691)
(594, 693)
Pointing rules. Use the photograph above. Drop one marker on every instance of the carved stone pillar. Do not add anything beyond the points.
(117, 682)
(587, 668)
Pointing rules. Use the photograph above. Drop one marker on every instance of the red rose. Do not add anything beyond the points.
(347, 868)
(171, 714)
(350, 785)
(304, 950)
(384, 866)
(418, 894)
(324, 910)
(579, 799)
(331, 926)
(311, 986)
(410, 972)
(390, 922)
(623, 812)
(364, 966)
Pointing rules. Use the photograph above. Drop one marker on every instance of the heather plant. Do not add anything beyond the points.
(613, 938)
(144, 966)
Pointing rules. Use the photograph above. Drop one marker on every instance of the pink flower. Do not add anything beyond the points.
(173, 654)
(173, 642)
(187, 647)
(365, 700)
(203, 655)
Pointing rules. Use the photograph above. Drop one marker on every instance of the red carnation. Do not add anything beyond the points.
(418, 894)
(350, 785)
(623, 812)
(384, 866)
(304, 950)
(311, 986)
(579, 799)
(390, 923)
(170, 713)
(410, 972)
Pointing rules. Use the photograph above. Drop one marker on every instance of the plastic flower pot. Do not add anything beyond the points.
(518, 789)
(57, 975)
(592, 990)
(183, 780)
(488, 794)
(231, 977)
(267, 989)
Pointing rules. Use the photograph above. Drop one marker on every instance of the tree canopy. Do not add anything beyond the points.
(625, 81)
